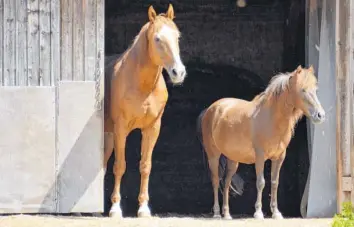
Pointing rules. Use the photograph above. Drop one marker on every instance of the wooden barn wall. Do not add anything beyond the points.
(51, 54)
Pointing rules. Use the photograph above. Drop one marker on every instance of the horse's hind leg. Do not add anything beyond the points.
(231, 170)
(276, 165)
(108, 148)
(214, 169)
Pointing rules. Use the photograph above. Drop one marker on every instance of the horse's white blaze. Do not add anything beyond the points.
(171, 35)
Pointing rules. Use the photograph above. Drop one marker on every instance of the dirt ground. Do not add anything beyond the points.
(62, 221)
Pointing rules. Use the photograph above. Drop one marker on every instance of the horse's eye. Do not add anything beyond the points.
(157, 39)
(303, 90)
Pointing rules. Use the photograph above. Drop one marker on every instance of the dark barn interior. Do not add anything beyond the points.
(228, 52)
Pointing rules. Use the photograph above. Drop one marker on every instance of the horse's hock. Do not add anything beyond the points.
(224, 58)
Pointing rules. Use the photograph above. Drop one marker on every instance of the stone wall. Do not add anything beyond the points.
(228, 52)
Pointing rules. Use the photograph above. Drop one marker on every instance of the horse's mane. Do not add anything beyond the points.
(277, 85)
(141, 33)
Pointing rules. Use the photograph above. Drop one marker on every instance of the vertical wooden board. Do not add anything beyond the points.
(33, 42)
(80, 157)
(90, 39)
(9, 42)
(1, 41)
(21, 43)
(78, 40)
(351, 74)
(66, 56)
(100, 20)
(322, 189)
(55, 41)
(27, 150)
(44, 43)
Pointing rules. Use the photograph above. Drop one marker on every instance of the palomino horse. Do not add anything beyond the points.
(255, 131)
(137, 95)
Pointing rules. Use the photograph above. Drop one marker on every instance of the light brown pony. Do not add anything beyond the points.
(255, 131)
(136, 96)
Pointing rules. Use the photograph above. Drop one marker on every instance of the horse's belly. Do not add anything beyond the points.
(241, 152)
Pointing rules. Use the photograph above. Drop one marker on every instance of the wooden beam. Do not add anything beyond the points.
(344, 88)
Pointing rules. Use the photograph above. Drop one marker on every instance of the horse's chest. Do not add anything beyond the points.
(146, 110)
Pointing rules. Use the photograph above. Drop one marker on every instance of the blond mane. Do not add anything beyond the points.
(277, 85)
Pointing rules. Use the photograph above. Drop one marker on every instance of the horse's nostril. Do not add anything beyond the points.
(174, 72)
(320, 115)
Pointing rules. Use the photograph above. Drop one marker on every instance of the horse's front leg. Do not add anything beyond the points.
(260, 183)
(149, 138)
(276, 165)
(120, 136)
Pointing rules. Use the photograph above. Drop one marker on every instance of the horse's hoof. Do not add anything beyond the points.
(258, 215)
(277, 215)
(217, 216)
(116, 211)
(144, 211)
(227, 217)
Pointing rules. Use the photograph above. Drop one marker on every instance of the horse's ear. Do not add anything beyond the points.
(311, 69)
(298, 70)
(170, 12)
(152, 13)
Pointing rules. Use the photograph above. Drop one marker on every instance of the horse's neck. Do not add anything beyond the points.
(285, 116)
(146, 72)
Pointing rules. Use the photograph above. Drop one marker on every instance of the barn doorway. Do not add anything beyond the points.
(228, 52)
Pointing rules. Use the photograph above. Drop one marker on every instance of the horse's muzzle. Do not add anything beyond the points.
(318, 117)
(177, 74)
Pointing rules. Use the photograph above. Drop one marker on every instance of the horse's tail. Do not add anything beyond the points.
(236, 182)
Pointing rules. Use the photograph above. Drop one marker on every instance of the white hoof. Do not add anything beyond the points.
(144, 211)
(277, 215)
(227, 217)
(115, 211)
(217, 216)
(258, 215)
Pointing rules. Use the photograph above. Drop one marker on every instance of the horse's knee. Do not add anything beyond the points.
(119, 167)
(145, 169)
(260, 182)
(274, 184)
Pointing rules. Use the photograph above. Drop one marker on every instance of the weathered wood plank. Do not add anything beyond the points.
(351, 74)
(33, 42)
(78, 40)
(100, 20)
(344, 87)
(1, 41)
(44, 41)
(9, 42)
(21, 43)
(66, 40)
(90, 39)
(55, 41)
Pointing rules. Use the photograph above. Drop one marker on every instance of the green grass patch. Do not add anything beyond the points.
(345, 218)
